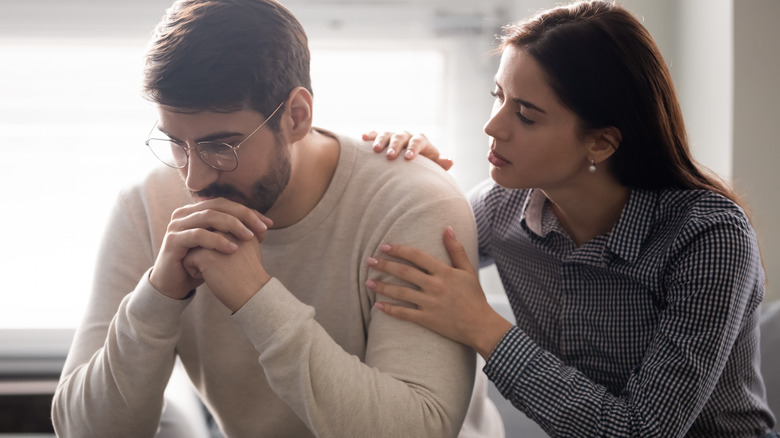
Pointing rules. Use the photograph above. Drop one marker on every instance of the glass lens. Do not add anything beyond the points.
(218, 155)
(168, 152)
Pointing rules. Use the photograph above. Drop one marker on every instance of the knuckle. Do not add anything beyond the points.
(176, 225)
(437, 288)
(180, 213)
(202, 214)
(404, 269)
(398, 136)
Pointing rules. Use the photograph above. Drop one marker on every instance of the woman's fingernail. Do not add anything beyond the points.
(384, 247)
(379, 306)
(372, 261)
(391, 151)
(371, 284)
(409, 154)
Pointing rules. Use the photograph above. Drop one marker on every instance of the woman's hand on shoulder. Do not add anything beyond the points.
(448, 299)
(412, 145)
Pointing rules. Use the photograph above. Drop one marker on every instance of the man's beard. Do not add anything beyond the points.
(265, 191)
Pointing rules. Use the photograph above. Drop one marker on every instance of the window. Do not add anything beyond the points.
(73, 122)
(352, 95)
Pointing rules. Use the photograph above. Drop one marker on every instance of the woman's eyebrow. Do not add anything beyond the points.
(528, 104)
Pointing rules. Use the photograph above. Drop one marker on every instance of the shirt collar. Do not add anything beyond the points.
(538, 216)
(532, 212)
(628, 234)
(631, 230)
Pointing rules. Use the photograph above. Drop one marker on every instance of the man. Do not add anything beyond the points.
(249, 262)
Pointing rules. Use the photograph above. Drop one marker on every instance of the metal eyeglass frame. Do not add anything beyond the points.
(198, 145)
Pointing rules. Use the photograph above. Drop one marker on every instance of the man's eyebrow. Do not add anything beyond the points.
(211, 137)
(528, 104)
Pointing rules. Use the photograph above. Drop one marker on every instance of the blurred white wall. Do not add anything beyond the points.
(723, 56)
(756, 119)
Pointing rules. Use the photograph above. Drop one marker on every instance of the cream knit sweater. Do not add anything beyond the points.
(308, 355)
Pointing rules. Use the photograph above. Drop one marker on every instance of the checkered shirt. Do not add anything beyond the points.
(649, 330)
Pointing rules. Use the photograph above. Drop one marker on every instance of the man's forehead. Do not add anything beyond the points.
(205, 123)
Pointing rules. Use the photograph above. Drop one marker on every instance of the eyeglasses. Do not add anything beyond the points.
(218, 155)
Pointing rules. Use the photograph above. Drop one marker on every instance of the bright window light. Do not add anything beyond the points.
(73, 123)
(379, 89)
(71, 120)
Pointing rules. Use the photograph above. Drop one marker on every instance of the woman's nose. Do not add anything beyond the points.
(494, 127)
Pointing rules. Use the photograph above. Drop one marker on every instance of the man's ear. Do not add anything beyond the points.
(297, 119)
(604, 142)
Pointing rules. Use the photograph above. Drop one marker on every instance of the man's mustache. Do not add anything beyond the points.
(219, 191)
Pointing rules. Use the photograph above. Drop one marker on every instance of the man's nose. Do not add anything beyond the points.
(197, 174)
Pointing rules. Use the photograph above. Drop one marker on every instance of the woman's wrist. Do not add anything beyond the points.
(491, 331)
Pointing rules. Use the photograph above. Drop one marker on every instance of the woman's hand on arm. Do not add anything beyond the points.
(417, 144)
(450, 300)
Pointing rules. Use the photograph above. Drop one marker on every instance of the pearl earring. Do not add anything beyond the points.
(592, 167)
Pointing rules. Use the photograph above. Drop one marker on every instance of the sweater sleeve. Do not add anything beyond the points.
(122, 355)
(411, 383)
(713, 287)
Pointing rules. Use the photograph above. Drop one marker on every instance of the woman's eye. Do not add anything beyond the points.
(524, 119)
(497, 96)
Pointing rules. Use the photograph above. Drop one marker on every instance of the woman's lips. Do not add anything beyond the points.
(497, 160)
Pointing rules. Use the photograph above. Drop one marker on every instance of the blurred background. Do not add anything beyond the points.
(72, 122)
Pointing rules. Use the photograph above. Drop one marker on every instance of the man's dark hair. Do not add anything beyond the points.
(226, 55)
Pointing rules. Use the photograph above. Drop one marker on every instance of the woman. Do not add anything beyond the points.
(635, 276)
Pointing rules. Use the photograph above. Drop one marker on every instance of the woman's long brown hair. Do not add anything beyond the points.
(604, 65)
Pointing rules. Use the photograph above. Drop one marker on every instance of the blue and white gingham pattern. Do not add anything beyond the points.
(650, 330)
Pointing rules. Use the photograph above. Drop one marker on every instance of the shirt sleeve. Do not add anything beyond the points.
(713, 284)
(122, 355)
(412, 382)
(483, 214)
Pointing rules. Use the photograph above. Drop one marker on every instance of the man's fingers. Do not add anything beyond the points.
(189, 239)
(223, 215)
(210, 220)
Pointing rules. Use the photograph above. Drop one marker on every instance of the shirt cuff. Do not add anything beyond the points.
(509, 359)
